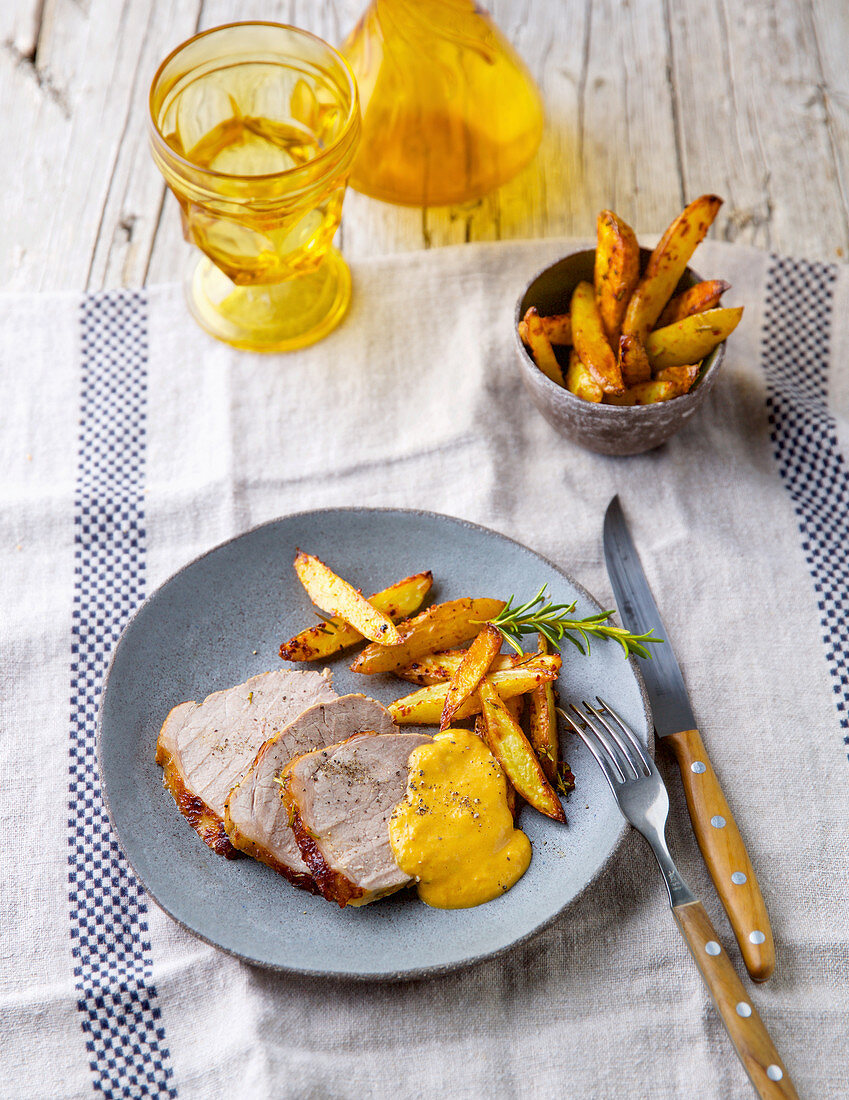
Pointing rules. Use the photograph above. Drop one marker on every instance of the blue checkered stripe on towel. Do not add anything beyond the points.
(795, 351)
(120, 1018)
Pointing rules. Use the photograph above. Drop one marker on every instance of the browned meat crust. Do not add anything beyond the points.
(331, 884)
(206, 822)
(257, 851)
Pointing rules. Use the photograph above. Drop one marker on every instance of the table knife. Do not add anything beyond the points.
(714, 826)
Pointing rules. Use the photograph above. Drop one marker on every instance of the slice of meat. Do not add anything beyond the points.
(340, 800)
(206, 748)
(256, 819)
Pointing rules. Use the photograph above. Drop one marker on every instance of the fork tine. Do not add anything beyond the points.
(600, 755)
(629, 733)
(627, 754)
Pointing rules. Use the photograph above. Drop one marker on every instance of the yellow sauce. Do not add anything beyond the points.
(452, 831)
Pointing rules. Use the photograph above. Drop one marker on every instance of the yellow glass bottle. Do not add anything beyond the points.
(449, 109)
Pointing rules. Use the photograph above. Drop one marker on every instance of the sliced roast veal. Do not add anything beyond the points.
(256, 820)
(340, 800)
(206, 748)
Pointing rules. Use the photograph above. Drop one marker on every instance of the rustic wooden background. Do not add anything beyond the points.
(648, 102)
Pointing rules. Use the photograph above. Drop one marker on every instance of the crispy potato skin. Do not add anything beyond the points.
(540, 346)
(424, 707)
(667, 264)
(697, 299)
(645, 393)
(580, 382)
(335, 596)
(557, 327)
(617, 271)
(435, 668)
(691, 339)
(514, 753)
(326, 638)
(440, 627)
(633, 361)
(682, 377)
(591, 342)
(542, 723)
(473, 668)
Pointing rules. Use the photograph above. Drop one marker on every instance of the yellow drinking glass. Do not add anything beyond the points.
(254, 127)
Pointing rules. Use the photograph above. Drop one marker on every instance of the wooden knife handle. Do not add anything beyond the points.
(746, 1029)
(725, 854)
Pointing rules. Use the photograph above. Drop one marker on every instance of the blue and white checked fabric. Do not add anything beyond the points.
(132, 443)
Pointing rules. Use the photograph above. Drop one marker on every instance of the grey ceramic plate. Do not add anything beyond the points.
(220, 620)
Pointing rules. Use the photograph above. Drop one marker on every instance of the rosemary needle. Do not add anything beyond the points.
(554, 622)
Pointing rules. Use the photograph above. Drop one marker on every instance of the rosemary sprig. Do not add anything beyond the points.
(553, 621)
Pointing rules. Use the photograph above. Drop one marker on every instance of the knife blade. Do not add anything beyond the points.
(713, 823)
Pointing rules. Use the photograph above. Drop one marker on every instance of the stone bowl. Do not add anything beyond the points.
(607, 429)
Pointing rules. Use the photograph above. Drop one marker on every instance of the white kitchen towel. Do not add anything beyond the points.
(131, 442)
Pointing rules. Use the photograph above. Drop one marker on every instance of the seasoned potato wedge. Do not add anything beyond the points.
(692, 339)
(513, 801)
(424, 707)
(542, 723)
(645, 393)
(440, 627)
(434, 668)
(335, 596)
(329, 636)
(617, 271)
(591, 341)
(697, 299)
(667, 264)
(580, 382)
(557, 327)
(513, 752)
(633, 361)
(473, 668)
(540, 346)
(682, 377)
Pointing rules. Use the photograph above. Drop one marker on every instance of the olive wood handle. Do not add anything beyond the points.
(725, 854)
(746, 1029)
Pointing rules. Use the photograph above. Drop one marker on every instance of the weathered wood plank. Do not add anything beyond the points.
(647, 102)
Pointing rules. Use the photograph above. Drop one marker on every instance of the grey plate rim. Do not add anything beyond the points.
(414, 973)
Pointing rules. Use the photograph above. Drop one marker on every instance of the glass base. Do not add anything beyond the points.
(277, 317)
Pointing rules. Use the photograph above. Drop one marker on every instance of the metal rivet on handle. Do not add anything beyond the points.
(718, 821)
(738, 878)
(712, 947)
(774, 1073)
(757, 937)
(743, 1009)
(698, 767)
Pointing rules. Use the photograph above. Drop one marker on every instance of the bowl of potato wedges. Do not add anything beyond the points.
(620, 345)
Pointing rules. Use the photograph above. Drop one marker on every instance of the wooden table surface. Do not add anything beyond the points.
(649, 103)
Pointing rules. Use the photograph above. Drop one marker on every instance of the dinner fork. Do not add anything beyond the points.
(643, 799)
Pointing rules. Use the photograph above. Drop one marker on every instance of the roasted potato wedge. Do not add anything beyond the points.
(424, 707)
(542, 723)
(682, 377)
(617, 271)
(540, 347)
(327, 637)
(513, 752)
(633, 361)
(591, 342)
(440, 627)
(666, 266)
(580, 382)
(513, 801)
(335, 596)
(645, 393)
(473, 667)
(692, 339)
(557, 327)
(697, 299)
(435, 668)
